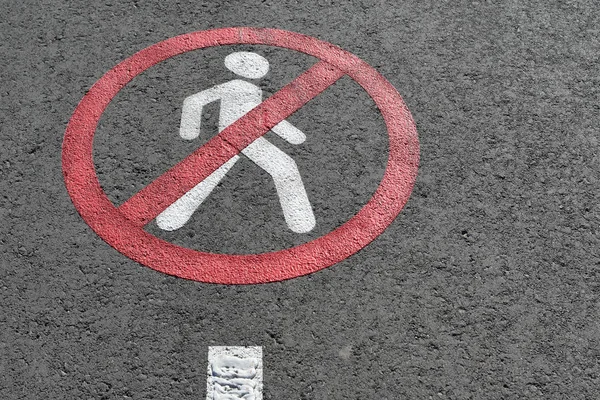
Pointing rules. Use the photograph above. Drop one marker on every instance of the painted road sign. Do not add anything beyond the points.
(122, 227)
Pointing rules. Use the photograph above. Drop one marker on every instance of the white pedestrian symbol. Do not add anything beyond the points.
(237, 98)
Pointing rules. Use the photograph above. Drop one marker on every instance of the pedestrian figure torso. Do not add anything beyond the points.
(237, 98)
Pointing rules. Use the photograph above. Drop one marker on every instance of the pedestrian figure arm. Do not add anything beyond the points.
(289, 132)
(191, 113)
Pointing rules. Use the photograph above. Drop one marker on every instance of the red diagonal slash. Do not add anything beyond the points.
(145, 205)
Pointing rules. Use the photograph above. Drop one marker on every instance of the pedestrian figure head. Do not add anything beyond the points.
(247, 64)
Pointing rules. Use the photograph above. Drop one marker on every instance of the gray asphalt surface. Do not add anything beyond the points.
(485, 287)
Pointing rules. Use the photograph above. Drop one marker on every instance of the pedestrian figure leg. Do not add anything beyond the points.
(294, 202)
(178, 213)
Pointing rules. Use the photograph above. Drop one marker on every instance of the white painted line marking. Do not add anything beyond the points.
(234, 373)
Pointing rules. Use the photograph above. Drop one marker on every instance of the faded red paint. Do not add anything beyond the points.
(122, 227)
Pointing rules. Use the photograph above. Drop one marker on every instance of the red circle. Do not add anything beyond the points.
(134, 242)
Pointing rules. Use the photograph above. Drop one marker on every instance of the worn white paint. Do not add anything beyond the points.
(234, 373)
(237, 98)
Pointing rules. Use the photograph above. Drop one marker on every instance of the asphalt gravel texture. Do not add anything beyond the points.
(485, 287)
